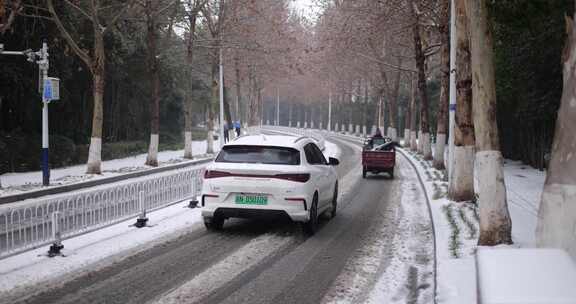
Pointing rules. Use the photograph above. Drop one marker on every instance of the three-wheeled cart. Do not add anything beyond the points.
(378, 155)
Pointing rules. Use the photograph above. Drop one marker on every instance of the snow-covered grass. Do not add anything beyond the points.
(524, 186)
(14, 183)
(457, 229)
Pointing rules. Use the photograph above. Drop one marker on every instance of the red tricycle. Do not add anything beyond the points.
(378, 155)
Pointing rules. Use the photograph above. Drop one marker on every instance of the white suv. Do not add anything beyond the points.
(264, 176)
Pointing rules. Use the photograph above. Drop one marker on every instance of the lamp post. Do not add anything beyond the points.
(329, 109)
(452, 106)
(277, 106)
(221, 89)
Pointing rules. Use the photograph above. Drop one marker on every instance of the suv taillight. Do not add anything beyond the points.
(300, 177)
(215, 174)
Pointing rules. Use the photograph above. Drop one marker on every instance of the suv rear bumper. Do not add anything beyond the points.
(229, 212)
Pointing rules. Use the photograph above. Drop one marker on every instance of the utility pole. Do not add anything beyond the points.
(329, 109)
(452, 106)
(221, 82)
(49, 91)
(277, 106)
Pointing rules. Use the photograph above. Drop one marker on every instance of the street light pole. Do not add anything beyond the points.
(329, 109)
(44, 65)
(452, 106)
(221, 82)
(277, 106)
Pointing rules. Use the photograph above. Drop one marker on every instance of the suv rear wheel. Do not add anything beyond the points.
(334, 202)
(214, 223)
(311, 226)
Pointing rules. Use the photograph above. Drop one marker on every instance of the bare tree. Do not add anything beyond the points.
(9, 9)
(557, 213)
(461, 187)
(153, 12)
(442, 118)
(101, 18)
(192, 10)
(495, 223)
(423, 94)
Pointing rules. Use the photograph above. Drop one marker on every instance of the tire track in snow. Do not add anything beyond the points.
(227, 269)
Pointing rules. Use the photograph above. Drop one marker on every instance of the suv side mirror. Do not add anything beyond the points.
(333, 161)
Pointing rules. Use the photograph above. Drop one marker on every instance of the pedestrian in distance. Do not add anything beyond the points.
(226, 135)
(237, 126)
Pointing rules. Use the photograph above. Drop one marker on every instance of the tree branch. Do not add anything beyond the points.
(79, 52)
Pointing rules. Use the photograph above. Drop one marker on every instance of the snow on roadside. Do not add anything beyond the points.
(32, 271)
(524, 186)
(407, 279)
(457, 229)
(14, 183)
(455, 269)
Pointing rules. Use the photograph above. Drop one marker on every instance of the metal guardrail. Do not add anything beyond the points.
(11, 198)
(45, 221)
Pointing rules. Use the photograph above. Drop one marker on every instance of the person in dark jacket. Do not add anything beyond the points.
(226, 135)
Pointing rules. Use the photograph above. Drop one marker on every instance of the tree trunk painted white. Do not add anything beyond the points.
(94, 156)
(152, 158)
(426, 146)
(406, 138)
(350, 129)
(442, 116)
(95, 151)
(357, 130)
(420, 142)
(495, 223)
(413, 141)
(557, 214)
(392, 133)
(188, 145)
(439, 149)
(461, 183)
(461, 186)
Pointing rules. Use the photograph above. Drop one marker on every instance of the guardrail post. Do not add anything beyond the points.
(194, 201)
(56, 246)
(142, 219)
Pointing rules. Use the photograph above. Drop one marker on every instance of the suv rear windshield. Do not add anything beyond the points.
(259, 155)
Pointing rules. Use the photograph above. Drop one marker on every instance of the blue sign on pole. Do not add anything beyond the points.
(452, 107)
(47, 94)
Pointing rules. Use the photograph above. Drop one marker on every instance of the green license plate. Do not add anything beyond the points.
(251, 200)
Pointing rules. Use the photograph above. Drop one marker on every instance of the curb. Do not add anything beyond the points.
(401, 150)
